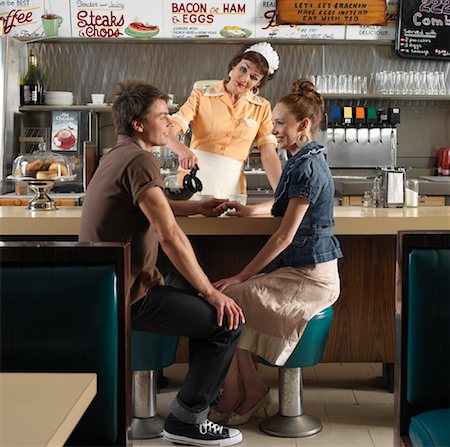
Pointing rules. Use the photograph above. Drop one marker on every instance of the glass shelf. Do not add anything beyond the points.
(387, 97)
(94, 108)
(343, 96)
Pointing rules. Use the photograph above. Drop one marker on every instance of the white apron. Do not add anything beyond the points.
(220, 176)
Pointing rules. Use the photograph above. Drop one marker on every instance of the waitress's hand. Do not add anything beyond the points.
(212, 207)
(222, 284)
(187, 158)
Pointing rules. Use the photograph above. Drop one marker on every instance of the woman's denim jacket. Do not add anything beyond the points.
(307, 175)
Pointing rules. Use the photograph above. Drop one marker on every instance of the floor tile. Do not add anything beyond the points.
(342, 396)
(333, 437)
(342, 416)
(373, 396)
(382, 437)
(317, 394)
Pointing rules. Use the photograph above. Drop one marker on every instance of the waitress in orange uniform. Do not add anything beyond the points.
(226, 119)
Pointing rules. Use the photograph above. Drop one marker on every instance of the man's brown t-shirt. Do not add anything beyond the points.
(111, 212)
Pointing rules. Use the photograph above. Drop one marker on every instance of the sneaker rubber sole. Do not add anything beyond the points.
(199, 442)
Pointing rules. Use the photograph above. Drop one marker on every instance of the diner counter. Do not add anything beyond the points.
(363, 327)
(17, 221)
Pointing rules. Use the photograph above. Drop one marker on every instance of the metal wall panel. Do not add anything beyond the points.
(84, 67)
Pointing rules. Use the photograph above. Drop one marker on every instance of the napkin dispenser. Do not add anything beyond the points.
(393, 187)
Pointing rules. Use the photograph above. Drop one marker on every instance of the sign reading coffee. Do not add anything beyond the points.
(423, 29)
(332, 12)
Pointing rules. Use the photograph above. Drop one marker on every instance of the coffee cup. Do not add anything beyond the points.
(98, 98)
(240, 198)
(51, 24)
(64, 138)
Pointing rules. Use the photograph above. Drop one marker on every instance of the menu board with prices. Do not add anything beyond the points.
(35, 18)
(423, 29)
(210, 18)
(267, 26)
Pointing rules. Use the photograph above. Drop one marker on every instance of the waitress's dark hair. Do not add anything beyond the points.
(134, 98)
(258, 59)
(305, 102)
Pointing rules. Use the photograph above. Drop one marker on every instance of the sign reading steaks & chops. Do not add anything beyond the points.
(332, 12)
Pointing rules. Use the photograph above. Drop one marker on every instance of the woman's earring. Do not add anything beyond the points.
(302, 140)
(255, 91)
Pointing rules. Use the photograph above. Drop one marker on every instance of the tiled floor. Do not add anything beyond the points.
(353, 411)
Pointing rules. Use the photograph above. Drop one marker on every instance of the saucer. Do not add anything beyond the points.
(100, 104)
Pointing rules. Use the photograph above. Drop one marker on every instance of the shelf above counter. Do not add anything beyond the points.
(99, 108)
(338, 96)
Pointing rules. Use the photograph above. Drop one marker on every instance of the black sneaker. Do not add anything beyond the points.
(206, 434)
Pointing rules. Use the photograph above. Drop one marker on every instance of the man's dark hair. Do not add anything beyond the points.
(134, 98)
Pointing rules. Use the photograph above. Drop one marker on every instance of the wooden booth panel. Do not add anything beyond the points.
(363, 326)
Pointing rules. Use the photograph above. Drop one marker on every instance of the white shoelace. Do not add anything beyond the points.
(209, 426)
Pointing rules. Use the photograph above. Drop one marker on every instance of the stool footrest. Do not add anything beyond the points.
(291, 427)
(147, 428)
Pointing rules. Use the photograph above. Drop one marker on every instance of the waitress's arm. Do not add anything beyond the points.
(271, 163)
(278, 242)
(186, 157)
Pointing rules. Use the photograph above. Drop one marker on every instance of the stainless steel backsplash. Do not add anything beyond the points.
(84, 67)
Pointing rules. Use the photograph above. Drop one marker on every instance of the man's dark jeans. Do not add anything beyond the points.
(176, 309)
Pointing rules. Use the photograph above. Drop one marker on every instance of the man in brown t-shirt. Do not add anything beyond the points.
(125, 202)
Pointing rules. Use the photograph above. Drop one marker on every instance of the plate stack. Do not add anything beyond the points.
(59, 98)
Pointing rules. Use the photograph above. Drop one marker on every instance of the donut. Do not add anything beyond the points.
(59, 168)
(34, 166)
(46, 175)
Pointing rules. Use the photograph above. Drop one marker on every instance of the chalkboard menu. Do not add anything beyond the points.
(423, 29)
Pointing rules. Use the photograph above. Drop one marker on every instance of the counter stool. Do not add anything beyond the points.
(290, 421)
(149, 352)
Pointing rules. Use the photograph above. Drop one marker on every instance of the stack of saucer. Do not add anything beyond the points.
(59, 98)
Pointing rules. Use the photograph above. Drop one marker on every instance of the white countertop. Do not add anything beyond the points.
(353, 220)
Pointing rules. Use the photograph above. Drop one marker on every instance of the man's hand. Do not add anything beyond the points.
(212, 207)
(225, 306)
(187, 158)
(222, 284)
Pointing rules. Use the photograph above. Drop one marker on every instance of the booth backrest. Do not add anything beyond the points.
(66, 312)
(428, 343)
(422, 369)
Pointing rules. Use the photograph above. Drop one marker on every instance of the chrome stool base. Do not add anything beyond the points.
(147, 428)
(291, 426)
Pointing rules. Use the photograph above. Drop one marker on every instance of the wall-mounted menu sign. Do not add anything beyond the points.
(332, 12)
(423, 29)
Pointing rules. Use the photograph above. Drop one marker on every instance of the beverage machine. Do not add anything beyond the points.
(362, 137)
(366, 137)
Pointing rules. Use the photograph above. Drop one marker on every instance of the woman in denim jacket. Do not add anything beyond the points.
(298, 263)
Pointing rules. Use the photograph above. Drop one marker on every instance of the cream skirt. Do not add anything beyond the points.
(278, 305)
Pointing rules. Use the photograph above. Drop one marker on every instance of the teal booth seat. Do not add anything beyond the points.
(63, 314)
(431, 428)
(149, 353)
(291, 421)
(423, 339)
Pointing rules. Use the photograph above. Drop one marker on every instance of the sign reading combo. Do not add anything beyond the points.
(337, 12)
